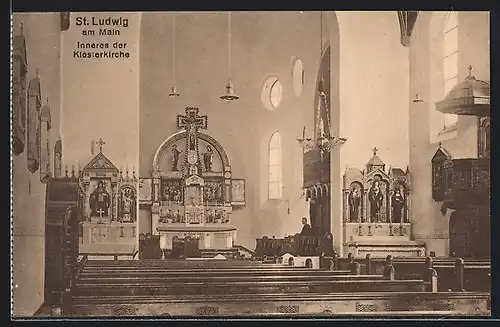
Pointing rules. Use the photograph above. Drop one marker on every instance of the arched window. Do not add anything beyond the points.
(275, 169)
(450, 60)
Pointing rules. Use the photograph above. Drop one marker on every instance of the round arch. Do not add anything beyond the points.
(182, 135)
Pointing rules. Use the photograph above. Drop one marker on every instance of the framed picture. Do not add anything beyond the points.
(145, 190)
(238, 192)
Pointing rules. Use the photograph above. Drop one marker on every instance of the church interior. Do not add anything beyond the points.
(185, 170)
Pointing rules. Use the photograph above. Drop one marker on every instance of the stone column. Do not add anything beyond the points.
(156, 186)
(365, 207)
(389, 206)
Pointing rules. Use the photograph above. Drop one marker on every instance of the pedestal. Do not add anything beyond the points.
(380, 240)
(213, 236)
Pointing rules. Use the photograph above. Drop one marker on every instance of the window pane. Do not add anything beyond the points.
(275, 95)
(274, 158)
(450, 42)
(450, 119)
(275, 141)
(274, 190)
(449, 84)
(451, 21)
(274, 173)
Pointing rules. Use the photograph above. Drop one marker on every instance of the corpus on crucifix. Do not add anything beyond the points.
(192, 122)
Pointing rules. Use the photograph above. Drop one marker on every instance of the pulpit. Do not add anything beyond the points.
(376, 216)
(191, 193)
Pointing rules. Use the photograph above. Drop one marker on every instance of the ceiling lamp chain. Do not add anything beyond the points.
(229, 94)
(174, 92)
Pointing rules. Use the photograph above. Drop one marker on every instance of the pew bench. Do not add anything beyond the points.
(248, 287)
(289, 304)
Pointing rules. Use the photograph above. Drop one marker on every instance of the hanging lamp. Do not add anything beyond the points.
(229, 94)
(173, 93)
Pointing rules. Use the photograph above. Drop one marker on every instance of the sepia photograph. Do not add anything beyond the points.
(250, 164)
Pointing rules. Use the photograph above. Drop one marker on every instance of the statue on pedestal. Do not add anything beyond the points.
(376, 199)
(398, 204)
(175, 157)
(207, 159)
(354, 203)
(100, 201)
(127, 205)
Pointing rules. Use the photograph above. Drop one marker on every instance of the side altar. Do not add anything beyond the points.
(191, 192)
(109, 209)
(376, 213)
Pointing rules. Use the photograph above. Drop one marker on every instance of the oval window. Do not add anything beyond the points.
(298, 77)
(272, 93)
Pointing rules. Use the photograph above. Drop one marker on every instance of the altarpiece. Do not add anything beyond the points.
(191, 191)
(110, 207)
(376, 212)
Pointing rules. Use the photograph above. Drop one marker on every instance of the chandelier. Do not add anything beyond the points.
(323, 140)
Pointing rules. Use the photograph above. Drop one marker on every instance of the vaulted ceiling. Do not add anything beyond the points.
(407, 21)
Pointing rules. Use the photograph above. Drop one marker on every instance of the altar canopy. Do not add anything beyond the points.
(191, 192)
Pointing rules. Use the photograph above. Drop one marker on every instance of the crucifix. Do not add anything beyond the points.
(192, 122)
(101, 143)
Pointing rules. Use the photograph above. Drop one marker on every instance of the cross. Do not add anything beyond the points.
(375, 151)
(470, 70)
(191, 120)
(101, 143)
(100, 212)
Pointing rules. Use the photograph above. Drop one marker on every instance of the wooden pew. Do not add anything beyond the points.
(288, 304)
(453, 273)
(209, 286)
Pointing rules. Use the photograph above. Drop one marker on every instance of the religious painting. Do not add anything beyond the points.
(193, 196)
(127, 204)
(355, 202)
(145, 189)
(238, 191)
(100, 198)
(171, 191)
(212, 192)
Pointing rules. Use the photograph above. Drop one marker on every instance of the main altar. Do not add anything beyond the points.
(377, 211)
(191, 192)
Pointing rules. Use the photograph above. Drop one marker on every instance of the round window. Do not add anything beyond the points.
(298, 77)
(272, 93)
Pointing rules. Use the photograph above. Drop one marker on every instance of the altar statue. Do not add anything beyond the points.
(175, 157)
(376, 198)
(354, 203)
(207, 158)
(99, 201)
(127, 205)
(398, 205)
